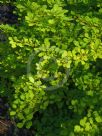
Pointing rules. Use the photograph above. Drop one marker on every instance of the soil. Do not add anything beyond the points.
(6, 15)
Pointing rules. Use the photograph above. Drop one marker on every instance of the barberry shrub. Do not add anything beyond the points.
(51, 67)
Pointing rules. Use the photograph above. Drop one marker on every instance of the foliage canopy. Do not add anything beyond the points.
(51, 67)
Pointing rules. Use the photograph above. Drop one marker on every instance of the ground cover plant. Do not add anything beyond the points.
(51, 67)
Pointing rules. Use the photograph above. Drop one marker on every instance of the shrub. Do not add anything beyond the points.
(52, 60)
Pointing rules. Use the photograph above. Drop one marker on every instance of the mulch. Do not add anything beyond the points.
(4, 126)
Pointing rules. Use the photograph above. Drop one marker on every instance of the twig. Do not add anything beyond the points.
(4, 124)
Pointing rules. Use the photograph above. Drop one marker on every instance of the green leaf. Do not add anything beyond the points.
(51, 21)
(98, 119)
(12, 113)
(29, 124)
(87, 126)
(65, 53)
(29, 116)
(77, 128)
(20, 116)
(20, 125)
(31, 79)
(90, 93)
(14, 106)
(26, 111)
(82, 122)
(22, 97)
(46, 41)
